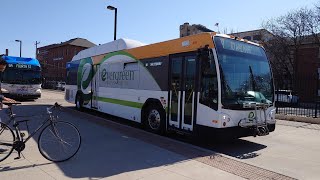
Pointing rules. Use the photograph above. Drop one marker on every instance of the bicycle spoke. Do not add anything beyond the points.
(6, 141)
(59, 141)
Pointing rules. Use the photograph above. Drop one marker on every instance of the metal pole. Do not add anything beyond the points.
(115, 24)
(37, 48)
(20, 47)
(317, 96)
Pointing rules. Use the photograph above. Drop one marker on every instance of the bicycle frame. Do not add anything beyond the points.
(17, 129)
(49, 125)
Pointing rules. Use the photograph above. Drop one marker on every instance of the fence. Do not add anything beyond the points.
(303, 100)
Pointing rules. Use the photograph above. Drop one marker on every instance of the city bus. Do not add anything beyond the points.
(22, 78)
(207, 84)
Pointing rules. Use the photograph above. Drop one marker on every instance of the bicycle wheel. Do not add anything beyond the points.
(7, 139)
(59, 141)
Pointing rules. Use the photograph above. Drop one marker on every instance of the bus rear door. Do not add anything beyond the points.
(95, 86)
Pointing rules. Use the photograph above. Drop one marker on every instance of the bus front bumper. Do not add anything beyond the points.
(247, 123)
(17, 95)
(229, 133)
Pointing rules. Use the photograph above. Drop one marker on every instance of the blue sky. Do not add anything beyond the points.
(148, 21)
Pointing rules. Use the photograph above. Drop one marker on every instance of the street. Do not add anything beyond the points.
(115, 151)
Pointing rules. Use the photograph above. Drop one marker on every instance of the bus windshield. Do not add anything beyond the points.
(245, 73)
(18, 76)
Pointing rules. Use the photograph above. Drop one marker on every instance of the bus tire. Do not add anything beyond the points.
(79, 102)
(154, 119)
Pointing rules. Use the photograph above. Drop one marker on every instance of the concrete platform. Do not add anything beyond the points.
(104, 154)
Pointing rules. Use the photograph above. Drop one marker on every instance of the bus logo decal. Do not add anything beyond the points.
(251, 115)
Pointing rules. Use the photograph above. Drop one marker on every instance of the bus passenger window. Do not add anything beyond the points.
(209, 82)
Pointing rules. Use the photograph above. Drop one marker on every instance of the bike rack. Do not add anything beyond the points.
(260, 128)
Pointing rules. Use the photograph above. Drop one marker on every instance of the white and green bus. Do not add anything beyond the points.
(206, 84)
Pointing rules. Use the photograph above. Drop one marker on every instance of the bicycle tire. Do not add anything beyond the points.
(7, 139)
(54, 141)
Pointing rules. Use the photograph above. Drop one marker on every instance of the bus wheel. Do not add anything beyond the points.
(79, 102)
(154, 119)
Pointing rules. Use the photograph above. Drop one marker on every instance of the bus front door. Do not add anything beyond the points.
(95, 87)
(182, 106)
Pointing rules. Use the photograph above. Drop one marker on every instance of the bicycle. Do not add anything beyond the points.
(58, 140)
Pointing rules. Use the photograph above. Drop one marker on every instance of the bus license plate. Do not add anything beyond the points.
(23, 89)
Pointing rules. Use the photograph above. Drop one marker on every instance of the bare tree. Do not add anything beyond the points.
(290, 31)
(313, 23)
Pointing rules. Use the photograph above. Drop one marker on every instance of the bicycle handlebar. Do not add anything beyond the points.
(10, 103)
(56, 105)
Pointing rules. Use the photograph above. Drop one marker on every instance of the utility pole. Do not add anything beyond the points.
(20, 45)
(37, 48)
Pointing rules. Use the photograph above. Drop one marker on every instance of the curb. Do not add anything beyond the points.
(298, 119)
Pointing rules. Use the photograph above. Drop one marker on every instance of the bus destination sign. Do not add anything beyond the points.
(240, 47)
(20, 66)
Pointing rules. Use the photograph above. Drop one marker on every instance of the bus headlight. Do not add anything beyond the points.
(271, 115)
(4, 90)
(225, 119)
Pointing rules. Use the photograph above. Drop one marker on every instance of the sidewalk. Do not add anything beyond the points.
(105, 154)
(113, 151)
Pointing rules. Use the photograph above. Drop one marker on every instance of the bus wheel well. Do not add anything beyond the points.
(148, 103)
(79, 100)
(79, 93)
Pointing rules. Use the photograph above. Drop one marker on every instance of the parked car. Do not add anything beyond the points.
(49, 85)
(286, 97)
(61, 86)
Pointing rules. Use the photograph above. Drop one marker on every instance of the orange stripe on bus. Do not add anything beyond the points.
(165, 48)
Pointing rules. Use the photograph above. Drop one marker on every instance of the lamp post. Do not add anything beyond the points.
(37, 48)
(115, 20)
(20, 45)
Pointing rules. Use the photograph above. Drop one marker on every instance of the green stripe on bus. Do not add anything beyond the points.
(120, 102)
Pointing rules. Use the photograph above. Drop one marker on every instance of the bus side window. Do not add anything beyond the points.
(208, 81)
(72, 76)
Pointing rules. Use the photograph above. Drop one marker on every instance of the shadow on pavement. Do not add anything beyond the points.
(241, 149)
(110, 149)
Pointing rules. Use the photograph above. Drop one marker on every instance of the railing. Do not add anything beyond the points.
(302, 101)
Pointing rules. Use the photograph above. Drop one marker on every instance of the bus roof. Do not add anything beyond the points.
(141, 51)
(21, 60)
(117, 45)
(180, 45)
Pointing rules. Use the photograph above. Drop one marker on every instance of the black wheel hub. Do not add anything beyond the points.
(18, 146)
(154, 119)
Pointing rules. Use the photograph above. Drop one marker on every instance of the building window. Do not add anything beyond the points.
(257, 37)
(247, 38)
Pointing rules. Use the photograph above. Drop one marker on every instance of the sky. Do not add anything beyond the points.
(148, 21)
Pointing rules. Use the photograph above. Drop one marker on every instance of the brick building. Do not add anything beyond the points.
(307, 69)
(53, 58)
(186, 29)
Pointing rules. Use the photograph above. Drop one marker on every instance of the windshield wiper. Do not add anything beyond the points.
(253, 82)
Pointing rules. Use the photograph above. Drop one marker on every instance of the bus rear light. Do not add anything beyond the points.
(163, 101)
(215, 121)
(4, 90)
